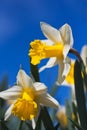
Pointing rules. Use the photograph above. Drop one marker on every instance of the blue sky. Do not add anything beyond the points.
(20, 24)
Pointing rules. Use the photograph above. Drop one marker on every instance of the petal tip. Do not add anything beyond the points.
(41, 23)
(67, 25)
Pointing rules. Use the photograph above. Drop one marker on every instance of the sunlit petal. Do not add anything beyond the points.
(33, 123)
(60, 72)
(64, 67)
(48, 42)
(48, 100)
(23, 79)
(50, 32)
(51, 62)
(66, 34)
(40, 88)
(11, 93)
(67, 65)
(66, 50)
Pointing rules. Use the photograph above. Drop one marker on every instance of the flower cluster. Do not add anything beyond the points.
(27, 96)
(55, 47)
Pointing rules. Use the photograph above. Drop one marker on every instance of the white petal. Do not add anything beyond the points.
(84, 54)
(66, 50)
(50, 32)
(23, 79)
(40, 88)
(60, 73)
(48, 42)
(11, 93)
(33, 123)
(64, 67)
(8, 112)
(34, 120)
(51, 62)
(67, 64)
(47, 100)
(66, 34)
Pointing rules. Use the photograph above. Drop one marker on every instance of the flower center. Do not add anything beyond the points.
(41, 51)
(25, 107)
(70, 76)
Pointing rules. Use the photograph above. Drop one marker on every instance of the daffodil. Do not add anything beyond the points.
(27, 98)
(55, 47)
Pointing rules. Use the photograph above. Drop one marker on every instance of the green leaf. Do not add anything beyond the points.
(69, 115)
(75, 124)
(4, 83)
(34, 72)
(38, 124)
(29, 125)
(20, 123)
(75, 112)
(80, 97)
(84, 73)
(3, 125)
(46, 119)
(3, 86)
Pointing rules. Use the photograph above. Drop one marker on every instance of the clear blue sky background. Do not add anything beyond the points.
(20, 24)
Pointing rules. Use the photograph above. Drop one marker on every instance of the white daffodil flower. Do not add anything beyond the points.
(55, 47)
(27, 98)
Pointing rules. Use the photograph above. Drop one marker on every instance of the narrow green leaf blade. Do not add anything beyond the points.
(34, 72)
(46, 119)
(69, 115)
(80, 97)
(38, 125)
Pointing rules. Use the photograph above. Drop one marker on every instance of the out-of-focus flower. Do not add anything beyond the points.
(27, 98)
(55, 47)
(62, 117)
